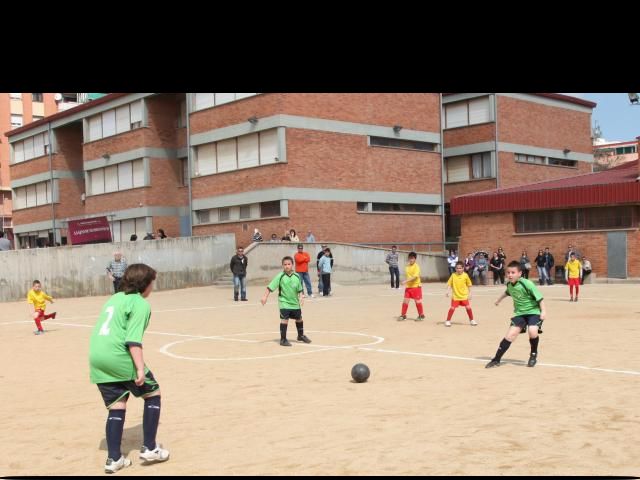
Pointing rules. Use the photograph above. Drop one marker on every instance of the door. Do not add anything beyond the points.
(617, 254)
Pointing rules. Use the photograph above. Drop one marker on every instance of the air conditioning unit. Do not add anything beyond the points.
(57, 97)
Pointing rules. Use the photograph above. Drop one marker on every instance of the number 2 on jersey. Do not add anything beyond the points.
(104, 330)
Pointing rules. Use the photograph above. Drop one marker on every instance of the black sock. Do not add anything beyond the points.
(300, 328)
(115, 426)
(504, 346)
(283, 331)
(534, 345)
(150, 421)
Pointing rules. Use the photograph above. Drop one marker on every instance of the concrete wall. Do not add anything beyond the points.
(352, 264)
(77, 271)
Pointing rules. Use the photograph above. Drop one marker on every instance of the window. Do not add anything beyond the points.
(36, 97)
(241, 152)
(31, 147)
(400, 143)
(123, 229)
(457, 169)
(203, 216)
(15, 96)
(625, 150)
(599, 218)
(207, 100)
(223, 214)
(468, 112)
(397, 207)
(37, 117)
(481, 165)
(114, 121)
(33, 195)
(270, 209)
(562, 162)
(114, 178)
(16, 121)
(245, 211)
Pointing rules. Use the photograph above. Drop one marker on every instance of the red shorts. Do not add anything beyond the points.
(413, 292)
(455, 303)
(574, 281)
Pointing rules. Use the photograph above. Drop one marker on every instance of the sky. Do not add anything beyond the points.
(617, 118)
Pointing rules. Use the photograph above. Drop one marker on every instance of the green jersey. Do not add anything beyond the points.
(526, 297)
(289, 286)
(122, 322)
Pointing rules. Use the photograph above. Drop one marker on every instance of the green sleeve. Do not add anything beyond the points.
(275, 283)
(137, 322)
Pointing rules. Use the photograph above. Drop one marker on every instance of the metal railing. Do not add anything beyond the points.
(437, 247)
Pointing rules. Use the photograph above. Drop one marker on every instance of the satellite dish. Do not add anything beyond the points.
(57, 97)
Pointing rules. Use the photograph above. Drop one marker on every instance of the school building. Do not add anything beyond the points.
(598, 213)
(356, 167)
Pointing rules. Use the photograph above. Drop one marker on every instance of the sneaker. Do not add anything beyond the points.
(54, 315)
(533, 358)
(38, 332)
(244, 300)
(575, 299)
(303, 338)
(447, 323)
(285, 343)
(492, 363)
(571, 299)
(113, 466)
(158, 454)
(235, 299)
(420, 318)
(402, 317)
(312, 295)
(473, 323)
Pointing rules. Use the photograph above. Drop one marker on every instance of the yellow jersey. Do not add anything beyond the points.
(413, 271)
(573, 268)
(38, 299)
(460, 285)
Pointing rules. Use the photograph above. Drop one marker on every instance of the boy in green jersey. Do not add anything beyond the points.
(290, 300)
(117, 365)
(529, 311)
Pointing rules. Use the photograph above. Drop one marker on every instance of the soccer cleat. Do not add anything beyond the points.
(571, 299)
(303, 338)
(38, 332)
(420, 318)
(492, 363)
(533, 359)
(447, 323)
(285, 343)
(474, 323)
(402, 317)
(575, 299)
(112, 466)
(54, 315)
(158, 454)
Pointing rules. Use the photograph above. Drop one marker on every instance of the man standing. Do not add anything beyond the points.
(115, 270)
(549, 262)
(302, 259)
(5, 243)
(394, 271)
(238, 267)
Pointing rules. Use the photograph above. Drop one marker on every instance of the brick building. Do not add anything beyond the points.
(506, 139)
(598, 213)
(349, 167)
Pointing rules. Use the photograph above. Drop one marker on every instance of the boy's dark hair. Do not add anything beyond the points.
(287, 258)
(412, 255)
(515, 264)
(34, 282)
(460, 263)
(137, 277)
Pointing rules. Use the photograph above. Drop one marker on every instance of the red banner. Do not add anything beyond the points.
(89, 230)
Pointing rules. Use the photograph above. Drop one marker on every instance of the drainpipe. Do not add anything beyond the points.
(189, 162)
(53, 203)
(495, 113)
(444, 238)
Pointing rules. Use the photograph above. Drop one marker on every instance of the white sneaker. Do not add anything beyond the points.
(474, 323)
(312, 296)
(447, 323)
(158, 454)
(112, 466)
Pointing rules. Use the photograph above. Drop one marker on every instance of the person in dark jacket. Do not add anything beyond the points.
(238, 267)
(549, 262)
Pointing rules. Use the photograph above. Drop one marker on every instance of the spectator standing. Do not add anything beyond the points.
(238, 266)
(394, 270)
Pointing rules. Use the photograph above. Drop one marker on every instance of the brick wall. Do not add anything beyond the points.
(489, 231)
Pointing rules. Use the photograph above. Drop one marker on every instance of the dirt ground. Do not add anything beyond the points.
(234, 402)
